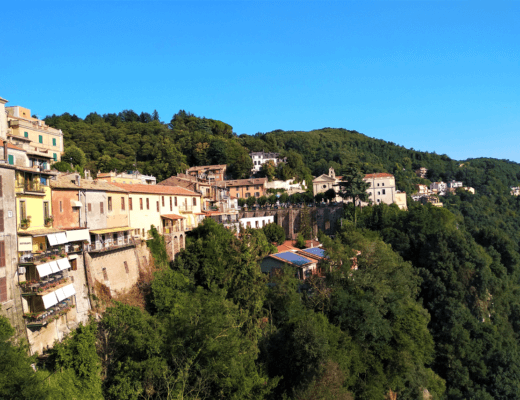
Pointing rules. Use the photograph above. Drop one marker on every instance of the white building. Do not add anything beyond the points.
(256, 222)
(439, 187)
(455, 184)
(260, 158)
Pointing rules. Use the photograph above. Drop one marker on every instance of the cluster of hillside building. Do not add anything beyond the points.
(64, 237)
(425, 194)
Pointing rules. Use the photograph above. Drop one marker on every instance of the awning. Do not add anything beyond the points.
(61, 237)
(57, 238)
(49, 300)
(44, 270)
(69, 290)
(25, 243)
(76, 203)
(54, 267)
(78, 235)
(60, 294)
(63, 263)
(53, 241)
(73, 257)
(111, 230)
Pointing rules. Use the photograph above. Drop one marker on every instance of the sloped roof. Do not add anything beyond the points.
(69, 182)
(181, 182)
(379, 175)
(242, 182)
(206, 167)
(10, 146)
(324, 177)
(155, 189)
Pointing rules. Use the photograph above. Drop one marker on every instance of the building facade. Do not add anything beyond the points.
(260, 158)
(34, 132)
(244, 188)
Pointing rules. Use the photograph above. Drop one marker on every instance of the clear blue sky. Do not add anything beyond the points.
(435, 76)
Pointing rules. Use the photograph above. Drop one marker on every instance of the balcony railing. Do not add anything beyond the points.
(110, 244)
(33, 187)
(185, 208)
(49, 282)
(42, 318)
(43, 257)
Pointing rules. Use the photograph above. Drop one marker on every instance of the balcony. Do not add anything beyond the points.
(110, 244)
(40, 287)
(42, 257)
(34, 187)
(42, 318)
(173, 229)
(185, 208)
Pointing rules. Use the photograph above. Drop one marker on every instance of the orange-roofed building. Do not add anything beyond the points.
(154, 204)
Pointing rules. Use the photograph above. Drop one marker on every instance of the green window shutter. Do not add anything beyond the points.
(26, 134)
(40, 139)
(55, 156)
(11, 159)
(53, 142)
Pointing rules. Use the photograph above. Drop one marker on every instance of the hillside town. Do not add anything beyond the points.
(65, 235)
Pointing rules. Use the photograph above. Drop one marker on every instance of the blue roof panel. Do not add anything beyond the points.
(317, 251)
(293, 258)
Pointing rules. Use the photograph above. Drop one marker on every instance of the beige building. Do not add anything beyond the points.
(165, 207)
(33, 135)
(381, 190)
(127, 177)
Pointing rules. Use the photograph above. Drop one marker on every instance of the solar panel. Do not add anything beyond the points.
(317, 251)
(293, 258)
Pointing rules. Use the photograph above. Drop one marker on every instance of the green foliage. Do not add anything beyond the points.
(157, 248)
(17, 378)
(300, 241)
(251, 201)
(274, 233)
(75, 155)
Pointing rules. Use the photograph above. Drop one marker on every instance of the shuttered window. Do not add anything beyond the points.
(157, 206)
(122, 203)
(130, 205)
(40, 139)
(10, 160)
(102, 208)
(89, 207)
(2, 221)
(2, 254)
(171, 207)
(3, 289)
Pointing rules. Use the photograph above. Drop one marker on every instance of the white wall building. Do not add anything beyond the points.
(260, 158)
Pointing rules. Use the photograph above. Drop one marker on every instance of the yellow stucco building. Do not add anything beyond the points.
(32, 134)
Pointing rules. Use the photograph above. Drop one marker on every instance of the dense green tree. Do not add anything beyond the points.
(274, 233)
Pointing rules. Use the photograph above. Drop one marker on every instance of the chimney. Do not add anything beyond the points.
(78, 180)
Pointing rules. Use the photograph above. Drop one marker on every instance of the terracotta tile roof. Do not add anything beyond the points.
(181, 182)
(172, 216)
(68, 181)
(205, 167)
(242, 182)
(379, 175)
(155, 189)
(10, 146)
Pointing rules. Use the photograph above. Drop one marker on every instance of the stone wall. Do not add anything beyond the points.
(324, 218)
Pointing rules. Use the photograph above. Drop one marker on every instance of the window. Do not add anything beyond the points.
(130, 205)
(23, 210)
(248, 195)
(384, 191)
(163, 201)
(3, 289)
(147, 203)
(46, 213)
(10, 159)
(378, 184)
(378, 200)
(1, 187)
(74, 264)
(126, 267)
(194, 201)
(122, 203)
(54, 156)
(89, 206)
(109, 203)
(171, 207)
(40, 139)
(382, 184)
(2, 253)
(61, 206)
(53, 141)
(43, 180)
(105, 275)
(175, 201)
(157, 205)
(257, 194)
(141, 202)
(102, 208)
(378, 193)
(26, 134)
